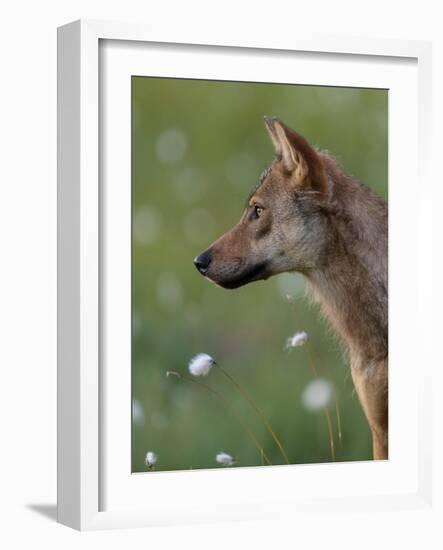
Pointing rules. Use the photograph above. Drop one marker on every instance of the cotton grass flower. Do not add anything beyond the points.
(296, 340)
(150, 459)
(224, 459)
(317, 394)
(201, 364)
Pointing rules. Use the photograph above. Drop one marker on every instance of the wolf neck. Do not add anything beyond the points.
(351, 283)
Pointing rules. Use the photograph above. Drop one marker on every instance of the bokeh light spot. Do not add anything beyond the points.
(199, 226)
(317, 394)
(169, 292)
(171, 145)
(146, 225)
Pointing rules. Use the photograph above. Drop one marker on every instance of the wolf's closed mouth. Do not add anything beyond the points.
(254, 273)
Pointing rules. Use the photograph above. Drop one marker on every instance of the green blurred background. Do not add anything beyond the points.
(198, 149)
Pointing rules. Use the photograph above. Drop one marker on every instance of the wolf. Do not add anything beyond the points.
(306, 215)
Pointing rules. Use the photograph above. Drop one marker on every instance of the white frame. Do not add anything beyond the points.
(181, 490)
(78, 253)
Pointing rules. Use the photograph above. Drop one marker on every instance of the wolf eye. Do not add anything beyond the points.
(258, 211)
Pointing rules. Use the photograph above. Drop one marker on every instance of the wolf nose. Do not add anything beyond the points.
(202, 262)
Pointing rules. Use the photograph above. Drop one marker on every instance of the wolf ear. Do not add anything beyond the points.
(298, 157)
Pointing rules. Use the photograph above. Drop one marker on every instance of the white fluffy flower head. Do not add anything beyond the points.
(201, 364)
(317, 394)
(150, 459)
(224, 459)
(296, 340)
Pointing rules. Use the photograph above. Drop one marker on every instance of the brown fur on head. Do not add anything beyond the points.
(284, 226)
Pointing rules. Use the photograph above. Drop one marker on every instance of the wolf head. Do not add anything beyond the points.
(284, 226)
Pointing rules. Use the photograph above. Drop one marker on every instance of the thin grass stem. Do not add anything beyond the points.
(223, 400)
(337, 407)
(249, 399)
(328, 416)
(337, 414)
